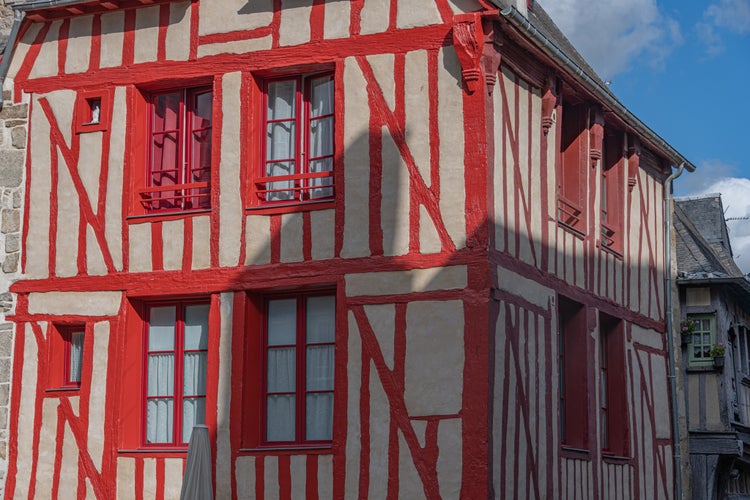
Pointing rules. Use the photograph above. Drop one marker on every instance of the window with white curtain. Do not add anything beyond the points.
(73, 338)
(175, 365)
(299, 341)
(297, 147)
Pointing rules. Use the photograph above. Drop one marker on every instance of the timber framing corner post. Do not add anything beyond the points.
(477, 40)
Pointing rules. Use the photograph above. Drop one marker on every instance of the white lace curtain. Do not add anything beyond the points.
(76, 356)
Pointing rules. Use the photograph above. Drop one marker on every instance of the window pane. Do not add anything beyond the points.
(196, 327)
(321, 137)
(320, 368)
(280, 418)
(165, 170)
(321, 96)
(282, 99)
(280, 141)
(280, 190)
(321, 319)
(194, 374)
(166, 112)
(76, 356)
(319, 424)
(202, 104)
(282, 322)
(160, 375)
(161, 328)
(323, 165)
(193, 413)
(160, 414)
(281, 369)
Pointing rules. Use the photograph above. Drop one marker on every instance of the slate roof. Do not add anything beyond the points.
(702, 239)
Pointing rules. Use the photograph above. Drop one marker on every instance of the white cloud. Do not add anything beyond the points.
(707, 173)
(729, 15)
(611, 34)
(734, 195)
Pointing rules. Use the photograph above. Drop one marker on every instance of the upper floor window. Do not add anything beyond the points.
(704, 338)
(179, 151)
(298, 345)
(572, 182)
(298, 125)
(176, 360)
(73, 355)
(573, 366)
(613, 406)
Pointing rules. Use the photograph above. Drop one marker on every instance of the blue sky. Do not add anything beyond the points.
(683, 67)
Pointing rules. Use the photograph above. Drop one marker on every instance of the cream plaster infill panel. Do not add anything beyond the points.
(325, 477)
(125, 475)
(223, 460)
(322, 227)
(244, 471)
(226, 16)
(75, 303)
(201, 242)
(294, 28)
(146, 34)
(46, 460)
(291, 237)
(178, 31)
(69, 462)
(46, 62)
(98, 394)
(230, 199)
(140, 247)
(79, 45)
(411, 14)
(22, 49)
(337, 20)
(271, 478)
(173, 238)
(112, 39)
(113, 208)
(519, 286)
(402, 282)
(236, 47)
(375, 16)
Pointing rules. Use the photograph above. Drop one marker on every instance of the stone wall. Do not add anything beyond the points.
(12, 156)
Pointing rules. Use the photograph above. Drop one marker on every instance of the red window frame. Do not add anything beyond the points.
(573, 372)
(179, 352)
(612, 186)
(68, 333)
(302, 178)
(185, 192)
(613, 408)
(572, 172)
(300, 391)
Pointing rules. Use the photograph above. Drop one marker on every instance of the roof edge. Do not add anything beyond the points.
(520, 22)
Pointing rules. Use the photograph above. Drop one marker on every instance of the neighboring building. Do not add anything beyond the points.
(381, 248)
(715, 303)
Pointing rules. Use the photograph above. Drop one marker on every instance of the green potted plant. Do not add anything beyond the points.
(687, 328)
(717, 352)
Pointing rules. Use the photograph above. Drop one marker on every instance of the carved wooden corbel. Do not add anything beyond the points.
(549, 103)
(596, 136)
(634, 160)
(476, 41)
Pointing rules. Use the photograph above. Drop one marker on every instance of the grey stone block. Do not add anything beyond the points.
(11, 221)
(11, 168)
(10, 265)
(6, 344)
(4, 393)
(14, 111)
(12, 243)
(14, 123)
(6, 304)
(18, 137)
(17, 198)
(4, 371)
(7, 95)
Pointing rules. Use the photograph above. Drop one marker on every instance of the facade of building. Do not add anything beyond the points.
(380, 248)
(715, 375)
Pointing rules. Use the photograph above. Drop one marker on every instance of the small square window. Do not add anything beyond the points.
(298, 140)
(92, 111)
(704, 338)
(66, 357)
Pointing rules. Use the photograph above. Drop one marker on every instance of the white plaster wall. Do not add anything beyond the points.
(79, 45)
(75, 303)
(98, 394)
(382, 318)
(294, 28)
(149, 479)
(66, 252)
(401, 282)
(433, 380)
(325, 477)
(394, 205)
(113, 205)
(257, 237)
(146, 34)
(178, 33)
(90, 163)
(411, 14)
(173, 478)
(201, 242)
(519, 286)
(417, 112)
(449, 463)
(125, 476)
(356, 162)
(464, 6)
(323, 228)
(173, 239)
(26, 413)
(45, 465)
(291, 237)
(354, 382)
(375, 16)
(235, 47)
(271, 478)
(224, 399)
(380, 423)
(231, 210)
(298, 472)
(383, 68)
(337, 19)
(69, 462)
(140, 247)
(113, 25)
(37, 236)
(22, 49)
(46, 62)
(409, 483)
(429, 239)
(224, 16)
(450, 112)
(244, 471)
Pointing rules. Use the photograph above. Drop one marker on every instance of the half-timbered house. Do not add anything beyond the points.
(381, 248)
(715, 368)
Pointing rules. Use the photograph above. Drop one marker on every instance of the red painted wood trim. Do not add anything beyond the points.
(307, 236)
(235, 36)
(194, 28)
(317, 20)
(128, 42)
(62, 46)
(15, 405)
(311, 477)
(54, 212)
(285, 478)
(161, 49)
(218, 128)
(276, 23)
(275, 239)
(96, 42)
(28, 63)
(239, 332)
(338, 173)
(160, 478)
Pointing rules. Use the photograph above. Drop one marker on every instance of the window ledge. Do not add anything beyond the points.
(577, 453)
(575, 232)
(155, 451)
(610, 250)
(701, 369)
(609, 457)
(284, 208)
(161, 216)
(62, 389)
(291, 450)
